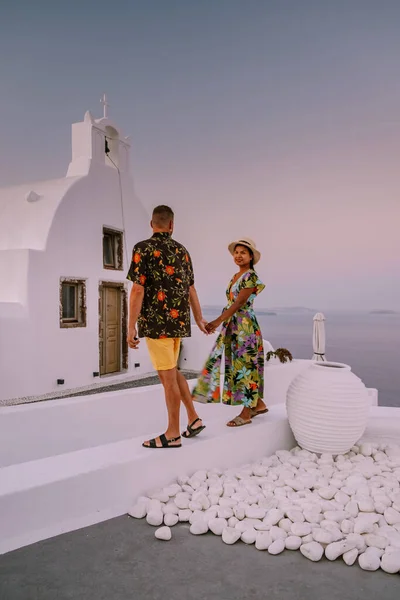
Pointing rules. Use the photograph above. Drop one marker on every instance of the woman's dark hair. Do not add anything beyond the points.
(250, 252)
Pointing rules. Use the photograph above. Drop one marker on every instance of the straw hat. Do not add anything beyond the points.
(248, 243)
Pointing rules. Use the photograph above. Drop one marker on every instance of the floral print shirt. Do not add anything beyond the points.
(164, 268)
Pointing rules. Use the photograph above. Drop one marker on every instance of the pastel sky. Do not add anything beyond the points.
(273, 119)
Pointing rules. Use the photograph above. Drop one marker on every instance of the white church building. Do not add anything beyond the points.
(65, 249)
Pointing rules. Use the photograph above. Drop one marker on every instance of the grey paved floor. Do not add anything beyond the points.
(125, 385)
(120, 560)
(112, 387)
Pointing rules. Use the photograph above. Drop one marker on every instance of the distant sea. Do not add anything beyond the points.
(369, 343)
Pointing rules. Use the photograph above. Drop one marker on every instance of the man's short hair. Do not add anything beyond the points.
(162, 215)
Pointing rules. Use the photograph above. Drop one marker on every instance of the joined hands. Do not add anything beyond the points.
(206, 327)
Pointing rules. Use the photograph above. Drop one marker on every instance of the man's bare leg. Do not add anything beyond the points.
(187, 401)
(173, 402)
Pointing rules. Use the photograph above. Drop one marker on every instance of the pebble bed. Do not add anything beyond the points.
(345, 507)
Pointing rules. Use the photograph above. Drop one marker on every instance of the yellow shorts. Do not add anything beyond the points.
(164, 352)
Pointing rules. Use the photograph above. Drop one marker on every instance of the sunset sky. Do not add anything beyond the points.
(272, 119)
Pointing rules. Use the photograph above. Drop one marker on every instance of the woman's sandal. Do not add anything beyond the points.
(165, 443)
(238, 422)
(255, 412)
(193, 432)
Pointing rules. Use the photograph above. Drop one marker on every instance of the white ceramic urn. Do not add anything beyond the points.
(327, 407)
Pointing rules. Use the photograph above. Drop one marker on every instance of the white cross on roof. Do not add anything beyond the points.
(105, 106)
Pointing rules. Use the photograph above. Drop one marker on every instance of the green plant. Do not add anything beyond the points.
(281, 353)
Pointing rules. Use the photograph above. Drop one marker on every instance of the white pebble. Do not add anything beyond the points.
(170, 509)
(194, 483)
(199, 527)
(211, 513)
(214, 499)
(184, 515)
(325, 458)
(277, 547)
(232, 522)
(322, 536)
(293, 542)
(366, 449)
(203, 500)
(173, 489)
(162, 496)
(155, 518)
(352, 509)
(301, 529)
(313, 515)
(164, 533)
(296, 516)
(366, 504)
(227, 502)
(224, 512)
(154, 506)
(182, 500)
(249, 536)
(363, 526)
(243, 526)
(376, 541)
(239, 512)
(197, 515)
(390, 562)
(358, 540)
(350, 557)
(217, 525)
(336, 515)
(274, 516)
(336, 549)
(138, 511)
(313, 551)
(216, 491)
(342, 498)
(263, 541)
(170, 520)
(277, 533)
(392, 516)
(259, 525)
(255, 512)
(347, 526)
(230, 535)
(200, 475)
(369, 560)
(285, 524)
(327, 492)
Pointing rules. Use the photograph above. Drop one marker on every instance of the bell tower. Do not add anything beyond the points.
(97, 143)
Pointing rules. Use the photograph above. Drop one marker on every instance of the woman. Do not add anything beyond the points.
(240, 341)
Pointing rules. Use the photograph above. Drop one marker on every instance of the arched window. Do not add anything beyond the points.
(112, 147)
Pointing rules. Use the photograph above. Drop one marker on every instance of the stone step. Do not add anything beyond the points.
(51, 495)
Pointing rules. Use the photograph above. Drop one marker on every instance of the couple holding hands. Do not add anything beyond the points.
(162, 295)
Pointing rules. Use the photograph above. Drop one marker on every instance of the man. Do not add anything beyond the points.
(161, 297)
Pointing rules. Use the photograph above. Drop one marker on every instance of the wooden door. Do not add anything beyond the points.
(110, 330)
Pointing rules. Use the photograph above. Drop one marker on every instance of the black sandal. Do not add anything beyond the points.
(193, 432)
(165, 443)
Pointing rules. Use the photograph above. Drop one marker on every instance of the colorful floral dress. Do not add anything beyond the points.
(241, 344)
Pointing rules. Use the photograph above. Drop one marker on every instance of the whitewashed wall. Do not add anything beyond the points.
(34, 350)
